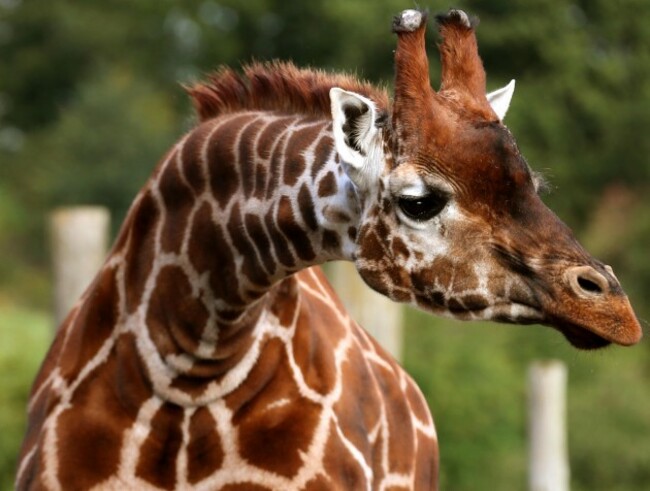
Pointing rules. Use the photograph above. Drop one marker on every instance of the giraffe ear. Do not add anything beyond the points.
(500, 99)
(355, 131)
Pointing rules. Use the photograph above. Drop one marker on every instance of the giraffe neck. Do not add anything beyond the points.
(240, 204)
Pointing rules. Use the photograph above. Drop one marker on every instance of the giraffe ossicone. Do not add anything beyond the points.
(211, 353)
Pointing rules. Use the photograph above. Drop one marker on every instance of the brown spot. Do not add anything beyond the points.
(426, 464)
(204, 450)
(352, 233)
(261, 375)
(261, 176)
(373, 278)
(423, 280)
(283, 300)
(261, 240)
(454, 306)
(273, 438)
(359, 407)
(386, 206)
(331, 241)
(251, 267)
(268, 138)
(294, 165)
(327, 185)
(178, 201)
(438, 299)
(131, 384)
(340, 468)
(370, 245)
(315, 342)
(465, 278)
(416, 401)
(401, 446)
(424, 302)
(306, 207)
(362, 339)
(140, 255)
(280, 244)
(442, 269)
(194, 167)
(382, 229)
(292, 231)
(398, 276)
(334, 214)
(275, 166)
(175, 317)
(322, 153)
(222, 161)
(93, 325)
(157, 463)
(474, 302)
(247, 156)
(400, 295)
(209, 251)
(90, 432)
(192, 386)
(400, 249)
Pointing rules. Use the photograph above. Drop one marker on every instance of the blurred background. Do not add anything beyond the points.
(90, 98)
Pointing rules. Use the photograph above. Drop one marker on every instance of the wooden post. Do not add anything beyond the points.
(79, 239)
(378, 315)
(548, 464)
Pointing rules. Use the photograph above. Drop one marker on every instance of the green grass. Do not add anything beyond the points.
(24, 338)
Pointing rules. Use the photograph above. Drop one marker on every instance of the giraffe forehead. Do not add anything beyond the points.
(480, 160)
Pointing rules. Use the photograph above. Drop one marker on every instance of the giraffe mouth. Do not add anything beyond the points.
(579, 336)
(525, 313)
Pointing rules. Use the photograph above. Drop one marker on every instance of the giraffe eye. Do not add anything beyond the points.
(423, 208)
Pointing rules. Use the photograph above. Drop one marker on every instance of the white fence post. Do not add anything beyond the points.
(548, 455)
(381, 317)
(79, 239)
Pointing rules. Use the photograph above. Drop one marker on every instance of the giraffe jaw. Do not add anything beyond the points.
(579, 336)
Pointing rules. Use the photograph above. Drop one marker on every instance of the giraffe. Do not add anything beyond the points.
(210, 351)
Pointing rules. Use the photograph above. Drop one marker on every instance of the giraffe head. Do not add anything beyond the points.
(451, 217)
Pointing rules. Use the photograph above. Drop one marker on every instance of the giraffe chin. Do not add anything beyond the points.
(580, 337)
(524, 314)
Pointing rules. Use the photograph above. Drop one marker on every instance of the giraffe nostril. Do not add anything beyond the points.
(588, 285)
(585, 280)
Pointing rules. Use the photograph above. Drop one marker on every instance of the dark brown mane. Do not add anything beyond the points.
(275, 86)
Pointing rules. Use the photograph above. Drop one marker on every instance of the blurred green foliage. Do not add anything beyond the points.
(474, 377)
(90, 100)
(24, 338)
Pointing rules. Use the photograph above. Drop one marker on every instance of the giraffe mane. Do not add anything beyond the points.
(276, 86)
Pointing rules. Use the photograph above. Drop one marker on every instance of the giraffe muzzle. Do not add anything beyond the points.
(596, 311)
